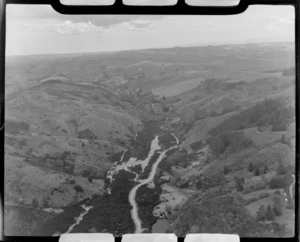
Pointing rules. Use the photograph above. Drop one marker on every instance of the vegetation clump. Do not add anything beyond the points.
(217, 211)
(270, 112)
(228, 141)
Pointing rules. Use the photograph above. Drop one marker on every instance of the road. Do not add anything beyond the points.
(291, 190)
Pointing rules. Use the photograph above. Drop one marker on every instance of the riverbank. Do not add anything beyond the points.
(147, 197)
(111, 213)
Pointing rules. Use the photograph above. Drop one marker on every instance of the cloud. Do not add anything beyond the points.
(279, 23)
(71, 27)
(66, 27)
(138, 24)
(25, 13)
(44, 19)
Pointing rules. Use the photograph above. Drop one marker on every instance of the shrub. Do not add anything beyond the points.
(239, 181)
(78, 188)
(250, 167)
(35, 203)
(269, 112)
(197, 145)
(264, 195)
(279, 127)
(281, 169)
(289, 72)
(251, 200)
(277, 207)
(207, 182)
(277, 192)
(266, 169)
(231, 141)
(269, 213)
(261, 213)
(276, 182)
(288, 179)
(279, 230)
(226, 170)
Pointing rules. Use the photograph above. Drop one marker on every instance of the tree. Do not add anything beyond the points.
(281, 169)
(78, 188)
(261, 213)
(168, 210)
(266, 169)
(288, 142)
(279, 127)
(45, 203)
(276, 182)
(257, 172)
(196, 115)
(250, 167)
(277, 192)
(35, 203)
(279, 230)
(288, 179)
(269, 213)
(283, 139)
(277, 209)
(226, 170)
(239, 181)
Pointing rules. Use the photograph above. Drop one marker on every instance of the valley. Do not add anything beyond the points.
(178, 140)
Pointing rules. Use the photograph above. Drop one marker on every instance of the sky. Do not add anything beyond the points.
(39, 29)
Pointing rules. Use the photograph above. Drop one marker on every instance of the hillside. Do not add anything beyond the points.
(61, 138)
(80, 132)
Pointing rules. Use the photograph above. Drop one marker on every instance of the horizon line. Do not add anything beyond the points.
(154, 48)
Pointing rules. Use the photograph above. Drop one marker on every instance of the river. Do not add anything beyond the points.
(79, 218)
(128, 165)
(132, 194)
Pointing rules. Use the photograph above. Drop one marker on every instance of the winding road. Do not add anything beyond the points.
(291, 190)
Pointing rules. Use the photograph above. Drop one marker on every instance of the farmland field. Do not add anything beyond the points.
(177, 88)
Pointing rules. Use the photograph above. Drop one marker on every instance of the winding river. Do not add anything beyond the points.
(79, 218)
(126, 165)
(132, 194)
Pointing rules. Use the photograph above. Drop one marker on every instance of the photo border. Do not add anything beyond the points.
(118, 8)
